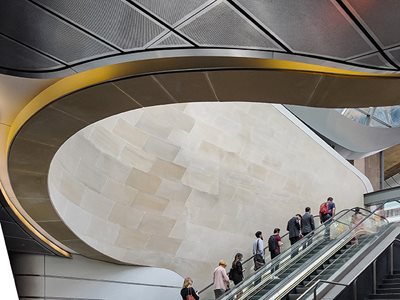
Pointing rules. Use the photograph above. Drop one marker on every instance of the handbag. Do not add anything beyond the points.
(190, 296)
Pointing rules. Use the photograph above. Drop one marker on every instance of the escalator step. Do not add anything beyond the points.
(389, 291)
(394, 276)
(293, 296)
(391, 280)
(383, 296)
(389, 286)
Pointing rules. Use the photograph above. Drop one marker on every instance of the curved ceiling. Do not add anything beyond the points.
(74, 102)
(57, 38)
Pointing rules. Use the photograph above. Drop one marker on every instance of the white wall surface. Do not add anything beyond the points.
(48, 277)
(182, 186)
(7, 284)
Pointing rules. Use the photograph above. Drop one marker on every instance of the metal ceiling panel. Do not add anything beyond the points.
(115, 21)
(372, 60)
(172, 11)
(221, 26)
(33, 26)
(171, 40)
(395, 53)
(308, 26)
(382, 18)
(16, 56)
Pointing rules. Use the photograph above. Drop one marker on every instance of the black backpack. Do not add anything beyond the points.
(272, 243)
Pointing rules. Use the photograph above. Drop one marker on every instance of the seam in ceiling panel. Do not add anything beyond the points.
(114, 22)
(220, 25)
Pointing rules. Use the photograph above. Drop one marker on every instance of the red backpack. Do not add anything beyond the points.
(323, 208)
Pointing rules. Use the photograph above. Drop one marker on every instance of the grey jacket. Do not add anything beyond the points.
(293, 226)
(307, 224)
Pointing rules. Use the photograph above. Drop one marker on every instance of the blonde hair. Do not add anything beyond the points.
(188, 281)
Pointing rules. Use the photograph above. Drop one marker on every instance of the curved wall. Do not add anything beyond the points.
(182, 186)
(49, 277)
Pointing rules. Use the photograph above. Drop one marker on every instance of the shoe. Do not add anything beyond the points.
(275, 277)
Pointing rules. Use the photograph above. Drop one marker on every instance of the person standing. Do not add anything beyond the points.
(188, 289)
(327, 213)
(294, 228)
(220, 279)
(236, 272)
(307, 226)
(274, 245)
(258, 251)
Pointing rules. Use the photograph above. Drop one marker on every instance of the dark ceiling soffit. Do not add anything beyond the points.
(120, 58)
(64, 71)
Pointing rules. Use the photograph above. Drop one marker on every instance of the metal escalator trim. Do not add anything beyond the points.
(315, 286)
(370, 252)
(269, 265)
(346, 237)
(283, 291)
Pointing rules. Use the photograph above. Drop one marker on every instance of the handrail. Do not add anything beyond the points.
(315, 286)
(286, 234)
(348, 234)
(343, 211)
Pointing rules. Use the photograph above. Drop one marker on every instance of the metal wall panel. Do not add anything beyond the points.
(315, 27)
(113, 20)
(35, 27)
(222, 26)
(381, 17)
(16, 56)
(172, 11)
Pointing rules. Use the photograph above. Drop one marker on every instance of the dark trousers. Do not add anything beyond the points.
(273, 255)
(218, 293)
(295, 250)
(309, 239)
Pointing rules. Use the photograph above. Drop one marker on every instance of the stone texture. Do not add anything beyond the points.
(182, 186)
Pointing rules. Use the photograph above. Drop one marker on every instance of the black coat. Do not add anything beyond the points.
(189, 291)
(293, 226)
(237, 273)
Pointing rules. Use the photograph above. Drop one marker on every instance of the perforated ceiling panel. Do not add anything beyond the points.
(115, 21)
(33, 26)
(309, 26)
(395, 53)
(372, 60)
(171, 40)
(220, 25)
(381, 17)
(172, 11)
(17, 56)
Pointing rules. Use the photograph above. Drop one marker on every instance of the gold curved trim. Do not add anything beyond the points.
(103, 74)
(99, 75)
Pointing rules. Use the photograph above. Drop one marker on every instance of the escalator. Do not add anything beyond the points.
(315, 257)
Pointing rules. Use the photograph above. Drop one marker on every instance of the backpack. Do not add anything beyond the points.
(323, 209)
(272, 243)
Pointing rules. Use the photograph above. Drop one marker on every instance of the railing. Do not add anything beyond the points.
(313, 288)
(366, 226)
(336, 229)
(248, 263)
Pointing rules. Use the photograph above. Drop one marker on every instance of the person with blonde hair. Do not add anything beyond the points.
(187, 291)
(221, 279)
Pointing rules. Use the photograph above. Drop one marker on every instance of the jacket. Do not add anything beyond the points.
(293, 226)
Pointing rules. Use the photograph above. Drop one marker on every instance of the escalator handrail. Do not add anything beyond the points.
(265, 249)
(340, 214)
(346, 235)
